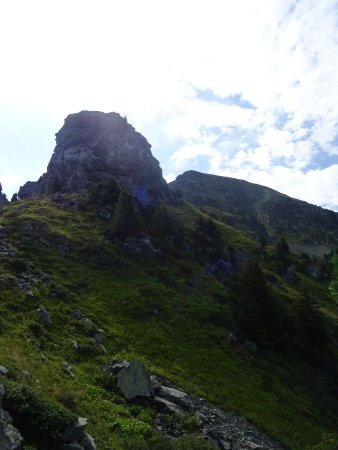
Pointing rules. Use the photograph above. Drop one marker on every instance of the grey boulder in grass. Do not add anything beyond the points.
(134, 381)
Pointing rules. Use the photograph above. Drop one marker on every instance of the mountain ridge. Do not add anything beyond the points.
(259, 209)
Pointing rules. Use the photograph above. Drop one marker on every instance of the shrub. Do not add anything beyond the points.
(40, 420)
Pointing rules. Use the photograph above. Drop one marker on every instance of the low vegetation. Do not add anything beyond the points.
(172, 301)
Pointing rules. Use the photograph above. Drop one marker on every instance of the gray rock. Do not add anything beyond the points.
(94, 147)
(117, 367)
(10, 438)
(44, 315)
(2, 391)
(102, 349)
(134, 381)
(89, 324)
(156, 383)
(88, 442)
(3, 371)
(141, 246)
(165, 405)
(75, 432)
(68, 369)
(176, 396)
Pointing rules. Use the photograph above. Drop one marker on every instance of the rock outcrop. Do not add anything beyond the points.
(225, 429)
(94, 147)
(10, 438)
(3, 198)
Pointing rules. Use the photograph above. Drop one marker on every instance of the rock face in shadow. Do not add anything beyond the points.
(94, 147)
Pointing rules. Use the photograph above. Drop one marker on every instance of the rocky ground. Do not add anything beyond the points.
(226, 430)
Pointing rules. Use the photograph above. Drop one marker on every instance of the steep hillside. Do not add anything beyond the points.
(167, 307)
(98, 285)
(261, 210)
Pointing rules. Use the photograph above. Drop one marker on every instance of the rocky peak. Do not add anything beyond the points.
(93, 147)
(3, 198)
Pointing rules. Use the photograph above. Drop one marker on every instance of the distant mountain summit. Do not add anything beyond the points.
(94, 147)
(260, 210)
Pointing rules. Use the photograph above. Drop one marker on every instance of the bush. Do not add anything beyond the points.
(41, 421)
(36, 329)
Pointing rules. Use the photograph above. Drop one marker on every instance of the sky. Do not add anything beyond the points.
(239, 88)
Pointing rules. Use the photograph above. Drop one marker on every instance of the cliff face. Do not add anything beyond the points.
(93, 147)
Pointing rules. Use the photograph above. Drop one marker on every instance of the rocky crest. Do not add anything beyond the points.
(3, 198)
(94, 147)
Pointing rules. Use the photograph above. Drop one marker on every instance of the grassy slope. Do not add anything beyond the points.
(186, 343)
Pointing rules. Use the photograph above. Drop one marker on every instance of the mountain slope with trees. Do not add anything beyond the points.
(90, 279)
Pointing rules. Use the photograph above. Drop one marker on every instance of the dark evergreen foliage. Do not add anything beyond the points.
(282, 252)
(310, 326)
(257, 319)
(104, 194)
(210, 235)
(125, 222)
(40, 420)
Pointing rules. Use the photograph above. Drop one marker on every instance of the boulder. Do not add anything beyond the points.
(44, 316)
(94, 147)
(88, 442)
(166, 406)
(10, 438)
(75, 432)
(176, 396)
(134, 381)
(3, 372)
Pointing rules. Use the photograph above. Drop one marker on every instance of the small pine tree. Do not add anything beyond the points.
(256, 319)
(163, 222)
(334, 282)
(210, 229)
(310, 326)
(125, 221)
(282, 252)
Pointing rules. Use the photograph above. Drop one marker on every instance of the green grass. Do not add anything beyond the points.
(187, 342)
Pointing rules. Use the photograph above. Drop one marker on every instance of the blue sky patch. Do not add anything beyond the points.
(207, 95)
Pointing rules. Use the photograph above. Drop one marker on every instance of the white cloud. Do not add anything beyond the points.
(148, 60)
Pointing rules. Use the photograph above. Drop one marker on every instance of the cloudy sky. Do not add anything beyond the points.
(240, 88)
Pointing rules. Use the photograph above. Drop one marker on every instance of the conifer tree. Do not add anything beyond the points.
(125, 222)
(334, 283)
(310, 326)
(257, 317)
(282, 252)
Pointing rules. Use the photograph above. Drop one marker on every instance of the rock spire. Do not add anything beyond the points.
(93, 147)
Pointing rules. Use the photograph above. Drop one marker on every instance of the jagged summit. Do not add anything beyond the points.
(92, 147)
(3, 198)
